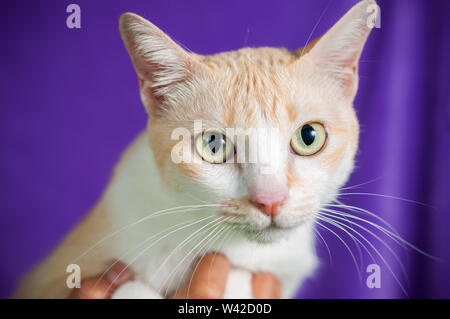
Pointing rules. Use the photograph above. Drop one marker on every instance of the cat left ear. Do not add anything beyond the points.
(158, 60)
(338, 51)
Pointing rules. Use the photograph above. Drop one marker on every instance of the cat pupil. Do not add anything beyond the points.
(215, 144)
(308, 134)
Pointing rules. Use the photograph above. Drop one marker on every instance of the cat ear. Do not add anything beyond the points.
(159, 61)
(337, 52)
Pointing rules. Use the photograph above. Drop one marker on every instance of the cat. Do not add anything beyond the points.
(159, 213)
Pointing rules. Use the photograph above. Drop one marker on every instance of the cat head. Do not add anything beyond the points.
(210, 115)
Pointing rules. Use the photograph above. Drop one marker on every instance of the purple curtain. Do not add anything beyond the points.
(70, 105)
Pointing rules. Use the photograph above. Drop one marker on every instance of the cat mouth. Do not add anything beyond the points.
(246, 224)
(265, 233)
(270, 234)
(275, 227)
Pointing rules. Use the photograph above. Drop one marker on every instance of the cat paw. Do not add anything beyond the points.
(239, 284)
(135, 290)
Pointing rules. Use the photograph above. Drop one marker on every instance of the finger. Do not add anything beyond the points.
(265, 286)
(181, 293)
(103, 287)
(92, 288)
(208, 280)
(119, 274)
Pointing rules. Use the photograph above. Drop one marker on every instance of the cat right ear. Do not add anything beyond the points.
(337, 52)
(159, 61)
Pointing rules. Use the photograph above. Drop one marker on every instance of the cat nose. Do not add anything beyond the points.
(270, 204)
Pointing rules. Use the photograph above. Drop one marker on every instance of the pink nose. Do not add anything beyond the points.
(269, 204)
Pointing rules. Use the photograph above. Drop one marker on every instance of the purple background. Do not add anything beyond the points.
(70, 105)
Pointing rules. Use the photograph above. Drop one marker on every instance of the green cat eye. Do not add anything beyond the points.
(308, 139)
(213, 147)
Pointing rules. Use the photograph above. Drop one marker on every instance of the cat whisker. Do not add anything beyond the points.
(236, 215)
(371, 233)
(389, 197)
(356, 209)
(201, 252)
(182, 244)
(197, 199)
(337, 224)
(140, 245)
(364, 211)
(324, 243)
(357, 244)
(166, 284)
(154, 243)
(355, 239)
(395, 237)
(173, 210)
(217, 223)
(196, 266)
(379, 254)
(225, 238)
(361, 210)
(362, 184)
(343, 242)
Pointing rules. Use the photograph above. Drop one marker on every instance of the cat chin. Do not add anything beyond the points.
(269, 235)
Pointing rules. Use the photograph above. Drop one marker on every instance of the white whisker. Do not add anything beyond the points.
(202, 252)
(362, 210)
(345, 244)
(225, 238)
(389, 197)
(362, 184)
(325, 244)
(168, 211)
(196, 266)
(139, 245)
(374, 235)
(371, 233)
(216, 223)
(382, 258)
(396, 238)
(183, 243)
(154, 243)
(355, 239)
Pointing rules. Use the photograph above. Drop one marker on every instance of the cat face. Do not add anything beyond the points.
(269, 133)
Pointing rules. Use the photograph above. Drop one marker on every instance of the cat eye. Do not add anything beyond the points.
(308, 139)
(213, 147)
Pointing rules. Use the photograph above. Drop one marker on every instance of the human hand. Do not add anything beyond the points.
(207, 282)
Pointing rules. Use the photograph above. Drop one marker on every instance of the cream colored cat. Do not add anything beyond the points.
(260, 214)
